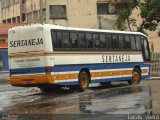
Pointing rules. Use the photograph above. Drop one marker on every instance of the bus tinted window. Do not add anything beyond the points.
(54, 40)
(102, 41)
(66, 40)
(82, 42)
(89, 41)
(74, 39)
(127, 42)
(138, 43)
(59, 40)
(145, 48)
(133, 42)
(96, 40)
(115, 41)
(121, 42)
(109, 41)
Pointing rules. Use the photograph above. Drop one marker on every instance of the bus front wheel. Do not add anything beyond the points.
(83, 81)
(136, 77)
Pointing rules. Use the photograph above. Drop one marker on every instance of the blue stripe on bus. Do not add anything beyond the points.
(28, 70)
(64, 68)
(68, 68)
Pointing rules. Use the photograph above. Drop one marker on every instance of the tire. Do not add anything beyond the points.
(83, 81)
(136, 77)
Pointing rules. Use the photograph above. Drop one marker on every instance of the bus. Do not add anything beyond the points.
(46, 55)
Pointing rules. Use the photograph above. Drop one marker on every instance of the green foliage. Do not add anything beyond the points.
(149, 12)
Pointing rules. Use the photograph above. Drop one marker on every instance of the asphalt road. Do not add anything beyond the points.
(116, 101)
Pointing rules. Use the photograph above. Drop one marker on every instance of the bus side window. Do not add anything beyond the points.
(121, 42)
(89, 41)
(82, 41)
(66, 40)
(109, 41)
(54, 40)
(102, 41)
(59, 40)
(96, 41)
(115, 41)
(138, 43)
(133, 42)
(127, 42)
(74, 39)
(145, 48)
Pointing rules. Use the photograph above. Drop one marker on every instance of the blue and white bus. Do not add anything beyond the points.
(41, 55)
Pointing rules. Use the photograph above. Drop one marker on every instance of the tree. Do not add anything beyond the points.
(149, 13)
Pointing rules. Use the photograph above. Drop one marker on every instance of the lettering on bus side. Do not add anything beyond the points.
(115, 58)
(23, 43)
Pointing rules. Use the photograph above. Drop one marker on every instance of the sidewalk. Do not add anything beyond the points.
(4, 78)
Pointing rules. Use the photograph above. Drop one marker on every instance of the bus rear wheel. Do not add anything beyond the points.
(83, 82)
(136, 77)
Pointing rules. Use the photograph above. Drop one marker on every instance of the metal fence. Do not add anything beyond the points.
(155, 64)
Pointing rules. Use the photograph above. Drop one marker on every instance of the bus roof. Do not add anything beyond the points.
(52, 26)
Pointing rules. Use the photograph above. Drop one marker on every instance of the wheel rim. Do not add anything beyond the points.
(84, 81)
(135, 77)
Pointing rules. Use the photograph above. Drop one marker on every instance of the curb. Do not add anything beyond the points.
(154, 78)
(4, 81)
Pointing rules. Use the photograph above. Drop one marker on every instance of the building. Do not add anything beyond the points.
(95, 13)
(74, 13)
(4, 31)
(0, 13)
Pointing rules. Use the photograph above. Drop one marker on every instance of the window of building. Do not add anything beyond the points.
(44, 13)
(58, 12)
(23, 17)
(23, 1)
(29, 17)
(102, 8)
(121, 6)
(35, 16)
(13, 20)
(110, 8)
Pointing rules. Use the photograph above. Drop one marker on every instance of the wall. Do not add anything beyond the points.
(80, 13)
(0, 13)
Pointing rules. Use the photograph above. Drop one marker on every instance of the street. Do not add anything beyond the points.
(117, 99)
